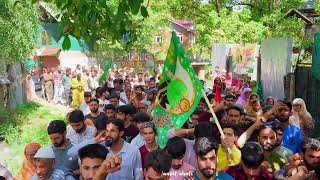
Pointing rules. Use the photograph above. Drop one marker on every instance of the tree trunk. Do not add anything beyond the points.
(217, 5)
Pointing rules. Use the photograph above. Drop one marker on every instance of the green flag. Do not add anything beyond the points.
(179, 91)
(316, 56)
(105, 72)
(260, 90)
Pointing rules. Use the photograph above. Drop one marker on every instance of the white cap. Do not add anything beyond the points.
(45, 153)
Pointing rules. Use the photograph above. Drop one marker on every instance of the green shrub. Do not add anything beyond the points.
(26, 124)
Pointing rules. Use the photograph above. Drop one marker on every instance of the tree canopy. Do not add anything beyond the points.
(238, 21)
(18, 21)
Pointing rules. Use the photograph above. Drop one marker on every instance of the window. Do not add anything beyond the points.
(143, 55)
(180, 36)
(158, 39)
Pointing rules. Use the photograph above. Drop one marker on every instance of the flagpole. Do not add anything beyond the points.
(217, 123)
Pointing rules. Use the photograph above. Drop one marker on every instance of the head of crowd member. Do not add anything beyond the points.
(266, 108)
(256, 106)
(251, 159)
(28, 167)
(195, 116)
(252, 84)
(114, 132)
(110, 110)
(103, 93)
(157, 164)
(311, 155)
(30, 150)
(117, 84)
(114, 100)
(211, 98)
(152, 83)
(206, 156)
(68, 71)
(283, 112)
(45, 162)
(230, 99)
(91, 157)
(127, 85)
(176, 148)
(234, 114)
(149, 132)
(140, 119)
(139, 90)
(57, 132)
(253, 98)
(140, 77)
(202, 105)
(203, 129)
(93, 72)
(267, 138)
(270, 101)
(94, 105)
(143, 106)
(229, 133)
(151, 93)
(87, 97)
(125, 112)
(76, 121)
(79, 77)
(84, 69)
(276, 126)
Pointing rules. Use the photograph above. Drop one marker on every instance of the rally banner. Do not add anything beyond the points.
(106, 69)
(178, 94)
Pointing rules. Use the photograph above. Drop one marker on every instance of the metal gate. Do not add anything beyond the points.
(308, 88)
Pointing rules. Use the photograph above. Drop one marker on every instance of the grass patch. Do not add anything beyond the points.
(26, 124)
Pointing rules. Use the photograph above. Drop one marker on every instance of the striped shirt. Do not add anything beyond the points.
(57, 80)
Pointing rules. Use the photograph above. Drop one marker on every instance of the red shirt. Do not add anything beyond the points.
(238, 173)
(143, 152)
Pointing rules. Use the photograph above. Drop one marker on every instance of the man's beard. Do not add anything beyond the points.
(94, 110)
(81, 130)
(282, 119)
(312, 167)
(59, 144)
(206, 172)
(82, 178)
(111, 141)
(269, 147)
(176, 166)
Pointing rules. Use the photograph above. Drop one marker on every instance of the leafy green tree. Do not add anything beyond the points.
(100, 19)
(18, 21)
(217, 21)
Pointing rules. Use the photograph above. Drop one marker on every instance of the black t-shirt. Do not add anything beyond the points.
(130, 132)
(99, 122)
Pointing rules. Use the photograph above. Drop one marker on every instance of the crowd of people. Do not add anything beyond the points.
(110, 133)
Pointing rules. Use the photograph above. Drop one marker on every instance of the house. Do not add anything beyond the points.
(308, 14)
(49, 44)
(186, 34)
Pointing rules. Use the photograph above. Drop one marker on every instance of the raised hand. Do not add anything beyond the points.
(100, 137)
(109, 165)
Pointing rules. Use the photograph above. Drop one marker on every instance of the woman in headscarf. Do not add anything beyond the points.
(253, 86)
(301, 117)
(244, 96)
(239, 87)
(28, 168)
(269, 101)
(30, 87)
(217, 89)
(253, 108)
(251, 100)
